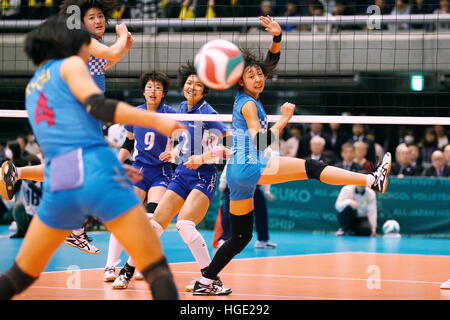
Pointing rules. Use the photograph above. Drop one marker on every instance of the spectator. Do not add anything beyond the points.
(428, 146)
(441, 136)
(438, 166)
(348, 158)
(359, 135)
(32, 147)
(3, 156)
(402, 166)
(265, 9)
(337, 137)
(12, 9)
(341, 9)
(416, 162)
(384, 8)
(419, 7)
(361, 149)
(28, 199)
(304, 147)
(17, 157)
(293, 142)
(447, 154)
(318, 152)
(328, 6)
(357, 211)
(291, 11)
(22, 140)
(401, 8)
(444, 8)
(379, 150)
(316, 9)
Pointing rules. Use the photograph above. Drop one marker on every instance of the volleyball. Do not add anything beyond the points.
(391, 226)
(219, 64)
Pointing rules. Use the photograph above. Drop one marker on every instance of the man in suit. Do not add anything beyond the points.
(304, 146)
(317, 145)
(402, 166)
(337, 137)
(358, 135)
(348, 157)
(447, 154)
(438, 167)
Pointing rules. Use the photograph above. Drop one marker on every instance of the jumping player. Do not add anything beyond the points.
(64, 106)
(248, 167)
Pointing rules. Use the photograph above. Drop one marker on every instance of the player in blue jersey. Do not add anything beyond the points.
(248, 167)
(192, 187)
(65, 108)
(145, 145)
(95, 15)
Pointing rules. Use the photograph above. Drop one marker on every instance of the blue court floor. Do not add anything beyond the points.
(288, 244)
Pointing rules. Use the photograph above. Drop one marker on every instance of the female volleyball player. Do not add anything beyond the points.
(192, 187)
(148, 145)
(248, 167)
(65, 106)
(95, 15)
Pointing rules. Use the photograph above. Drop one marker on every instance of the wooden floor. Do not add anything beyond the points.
(318, 276)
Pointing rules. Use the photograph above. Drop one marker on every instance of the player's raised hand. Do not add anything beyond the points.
(130, 41)
(287, 110)
(121, 29)
(133, 173)
(270, 25)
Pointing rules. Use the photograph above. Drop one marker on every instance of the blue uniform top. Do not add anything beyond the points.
(191, 140)
(242, 141)
(97, 70)
(149, 143)
(59, 121)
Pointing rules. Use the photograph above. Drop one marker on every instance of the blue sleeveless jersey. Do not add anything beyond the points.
(149, 143)
(97, 70)
(59, 121)
(191, 140)
(242, 141)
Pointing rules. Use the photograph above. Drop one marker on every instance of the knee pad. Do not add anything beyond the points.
(161, 282)
(187, 230)
(314, 168)
(151, 207)
(14, 281)
(241, 231)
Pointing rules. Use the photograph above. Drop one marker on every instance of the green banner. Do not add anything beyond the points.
(420, 205)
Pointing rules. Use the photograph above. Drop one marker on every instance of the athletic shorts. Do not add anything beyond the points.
(103, 191)
(185, 180)
(243, 174)
(153, 176)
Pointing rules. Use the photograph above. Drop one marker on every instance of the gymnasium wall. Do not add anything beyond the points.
(420, 205)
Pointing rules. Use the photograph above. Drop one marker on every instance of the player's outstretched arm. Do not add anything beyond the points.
(274, 28)
(75, 72)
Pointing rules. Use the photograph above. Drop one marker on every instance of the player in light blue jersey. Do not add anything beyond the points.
(145, 145)
(248, 167)
(65, 107)
(193, 185)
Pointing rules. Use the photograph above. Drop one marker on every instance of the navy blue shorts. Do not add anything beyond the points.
(154, 176)
(105, 192)
(185, 180)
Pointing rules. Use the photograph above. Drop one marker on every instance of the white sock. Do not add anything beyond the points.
(114, 251)
(195, 242)
(157, 227)
(78, 232)
(205, 281)
(370, 179)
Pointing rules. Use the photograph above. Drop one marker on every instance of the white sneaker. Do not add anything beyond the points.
(138, 275)
(264, 245)
(13, 227)
(110, 274)
(446, 285)
(82, 242)
(381, 174)
(121, 282)
(339, 233)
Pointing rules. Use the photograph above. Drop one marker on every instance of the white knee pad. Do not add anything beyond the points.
(157, 227)
(187, 231)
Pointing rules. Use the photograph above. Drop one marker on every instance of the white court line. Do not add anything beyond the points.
(309, 277)
(187, 293)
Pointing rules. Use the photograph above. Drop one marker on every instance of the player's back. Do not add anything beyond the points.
(59, 121)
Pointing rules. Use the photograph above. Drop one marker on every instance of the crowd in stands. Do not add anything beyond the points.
(185, 9)
(355, 148)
